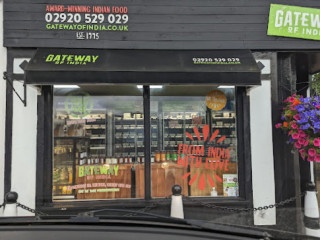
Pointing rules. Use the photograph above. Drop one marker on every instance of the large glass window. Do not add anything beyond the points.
(197, 129)
(98, 142)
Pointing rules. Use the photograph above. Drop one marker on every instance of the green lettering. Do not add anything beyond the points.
(70, 58)
(103, 170)
(92, 167)
(86, 171)
(94, 58)
(96, 170)
(79, 58)
(57, 58)
(88, 59)
(116, 168)
(81, 172)
(64, 57)
(111, 170)
(50, 58)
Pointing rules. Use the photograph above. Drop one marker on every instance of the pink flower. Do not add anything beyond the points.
(297, 145)
(295, 135)
(317, 158)
(289, 133)
(316, 142)
(301, 141)
(278, 125)
(294, 126)
(302, 134)
(312, 152)
(306, 143)
(302, 152)
(291, 99)
(317, 106)
(310, 159)
(297, 117)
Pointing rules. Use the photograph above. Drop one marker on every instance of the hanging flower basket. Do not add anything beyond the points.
(301, 120)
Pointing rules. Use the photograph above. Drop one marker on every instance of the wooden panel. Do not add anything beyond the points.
(195, 191)
(163, 177)
(167, 24)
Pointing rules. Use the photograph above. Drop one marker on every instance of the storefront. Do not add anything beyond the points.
(113, 137)
(132, 99)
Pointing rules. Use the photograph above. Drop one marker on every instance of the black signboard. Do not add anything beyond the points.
(141, 24)
(86, 66)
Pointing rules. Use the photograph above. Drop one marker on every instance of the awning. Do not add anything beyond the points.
(93, 66)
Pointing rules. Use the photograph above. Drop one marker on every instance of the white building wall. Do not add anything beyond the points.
(24, 148)
(263, 183)
(3, 66)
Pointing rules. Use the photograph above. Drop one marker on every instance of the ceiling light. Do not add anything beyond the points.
(225, 86)
(66, 86)
(151, 86)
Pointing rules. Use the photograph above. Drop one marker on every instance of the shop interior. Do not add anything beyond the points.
(99, 142)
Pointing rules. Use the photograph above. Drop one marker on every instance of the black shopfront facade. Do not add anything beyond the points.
(150, 74)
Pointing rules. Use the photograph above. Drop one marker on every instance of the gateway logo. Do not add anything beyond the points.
(71, 59)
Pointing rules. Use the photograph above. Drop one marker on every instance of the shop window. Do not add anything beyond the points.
(196, 129)
(98, 142)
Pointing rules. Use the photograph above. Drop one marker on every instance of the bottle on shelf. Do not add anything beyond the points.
(70, 175)
(175, 156)
(163, 156)
(168, 156)
(157, 157)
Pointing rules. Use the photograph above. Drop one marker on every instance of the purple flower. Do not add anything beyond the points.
(305, 126)
(300, 108)
(317, 125)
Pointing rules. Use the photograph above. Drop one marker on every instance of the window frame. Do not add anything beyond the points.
(45, 158)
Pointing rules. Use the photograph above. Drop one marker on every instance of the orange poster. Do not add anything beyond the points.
(216, 100)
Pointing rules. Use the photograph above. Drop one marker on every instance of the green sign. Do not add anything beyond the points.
(72, 59)
(295, 22)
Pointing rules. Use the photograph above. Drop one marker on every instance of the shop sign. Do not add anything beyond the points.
(86, 21)
(71, 59)
(295, 22)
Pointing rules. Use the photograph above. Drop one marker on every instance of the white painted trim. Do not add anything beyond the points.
(263, 182)
(24, 147)
(3, 66)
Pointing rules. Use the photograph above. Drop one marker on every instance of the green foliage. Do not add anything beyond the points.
(316, 83)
